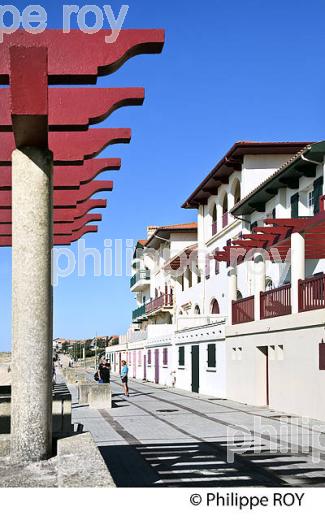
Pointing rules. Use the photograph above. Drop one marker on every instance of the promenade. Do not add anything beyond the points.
(160, 437)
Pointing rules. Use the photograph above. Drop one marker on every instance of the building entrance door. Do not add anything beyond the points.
(262, 376)
(157, 366)
(195, 368)
(145, 367)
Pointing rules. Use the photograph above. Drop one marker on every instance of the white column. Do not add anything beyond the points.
(259, 283)
(297, 267)
(31, 404)
(232, 290)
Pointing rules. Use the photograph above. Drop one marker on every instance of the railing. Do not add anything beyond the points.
(139, 335)
(143, 274)
(214, 228)
(225, 219)
(243, 310)
(276, 302)
(165, 300)
(139, 312)
(311, 293)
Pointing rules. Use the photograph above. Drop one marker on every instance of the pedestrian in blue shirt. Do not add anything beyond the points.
(124, 377)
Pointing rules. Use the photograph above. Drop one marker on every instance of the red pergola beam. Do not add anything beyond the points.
(66, 198)
(71, 147)
(62, 215)
(77, 57)
(75, 107)
(66, 228)
(59, 240)
(69, 176)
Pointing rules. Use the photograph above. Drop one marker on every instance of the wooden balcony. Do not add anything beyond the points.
(311, 293)
(139, 314)
(276, 302)
(139, 280)
(163, 302)
(243, 310)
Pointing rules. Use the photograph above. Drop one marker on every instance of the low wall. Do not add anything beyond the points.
(61, 409)
(5, 357)
(80, 465)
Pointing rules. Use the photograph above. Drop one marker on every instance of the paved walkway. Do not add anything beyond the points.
(163, 437)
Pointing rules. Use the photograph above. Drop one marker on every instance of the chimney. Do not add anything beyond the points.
(151, 230)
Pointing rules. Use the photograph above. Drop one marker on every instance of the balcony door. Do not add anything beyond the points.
(195, 369)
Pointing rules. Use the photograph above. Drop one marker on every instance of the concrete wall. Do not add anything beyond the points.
(295, 382)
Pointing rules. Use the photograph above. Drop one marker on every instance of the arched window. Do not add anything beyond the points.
(215, 309)
(214, 220)
(236, 192)
(269, 283)
(197, 310)
(225, 211)
(239, 295)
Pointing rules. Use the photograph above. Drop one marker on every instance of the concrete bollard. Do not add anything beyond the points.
(84, 389)
(74, 376)
(100, 396)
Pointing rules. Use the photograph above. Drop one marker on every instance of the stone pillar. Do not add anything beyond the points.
(259, 284)
(31, 410)
(297, 267)
(232, 290)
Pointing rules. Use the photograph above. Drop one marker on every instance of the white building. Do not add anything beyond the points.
(198, 322)
(275, 342)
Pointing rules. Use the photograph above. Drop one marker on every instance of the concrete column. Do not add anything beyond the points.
(232, 290)
(259, 283)
(31, 410)
(297, 267)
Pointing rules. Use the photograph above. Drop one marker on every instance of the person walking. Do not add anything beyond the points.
(124, 377)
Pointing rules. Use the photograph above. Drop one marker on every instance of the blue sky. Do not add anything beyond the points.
(230, 71)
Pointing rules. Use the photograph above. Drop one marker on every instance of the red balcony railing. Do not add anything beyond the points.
(225, 219)
(164, 300)
(311, 293)
(276, 302)
(214, 228)
(243, 310)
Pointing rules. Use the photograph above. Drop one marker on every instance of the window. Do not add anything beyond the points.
(190, 278)
(294, 203)
(317, 193)
(181, 356)
(216, 263)
(237, 193)
(269, 283)
(139, 358)
(165, 357)
(212, 356)
(215, 309)
(225, 211)
(197, 310)
(149, 357)
(253, 225)
(214, 221)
